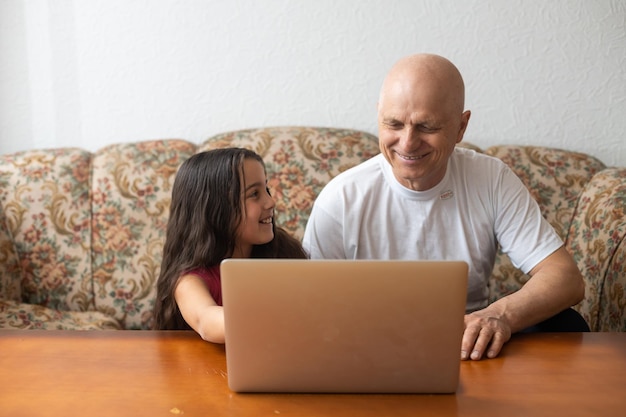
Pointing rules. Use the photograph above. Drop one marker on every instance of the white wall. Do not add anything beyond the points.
(92, 72)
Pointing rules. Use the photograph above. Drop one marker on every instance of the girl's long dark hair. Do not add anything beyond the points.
(205, 210)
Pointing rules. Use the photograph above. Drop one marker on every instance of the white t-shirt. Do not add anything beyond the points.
(365, 213)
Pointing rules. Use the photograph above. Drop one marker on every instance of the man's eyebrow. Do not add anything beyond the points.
(427, 121)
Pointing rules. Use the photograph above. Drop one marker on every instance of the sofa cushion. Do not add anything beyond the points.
(32, 316)
(299, 162)
(132, 185)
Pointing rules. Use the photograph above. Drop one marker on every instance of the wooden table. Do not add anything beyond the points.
(147, 373)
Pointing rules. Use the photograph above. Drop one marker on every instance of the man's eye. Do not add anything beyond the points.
(428, 129)
(393, 125)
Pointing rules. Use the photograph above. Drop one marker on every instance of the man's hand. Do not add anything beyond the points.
(555, 284)
(483, 333)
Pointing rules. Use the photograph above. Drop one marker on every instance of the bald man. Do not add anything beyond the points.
(424, 199)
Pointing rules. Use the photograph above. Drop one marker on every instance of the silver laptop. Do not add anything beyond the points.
(343, 326)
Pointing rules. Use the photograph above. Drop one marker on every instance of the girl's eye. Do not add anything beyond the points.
(267, 189)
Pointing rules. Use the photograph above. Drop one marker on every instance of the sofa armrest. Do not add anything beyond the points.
(45, 202)
(597, 241)
(10, 273)
(10, 270)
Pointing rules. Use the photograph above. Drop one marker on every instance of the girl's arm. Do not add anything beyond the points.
(199, 309)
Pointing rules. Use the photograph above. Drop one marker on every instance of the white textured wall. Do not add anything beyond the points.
(90, 73)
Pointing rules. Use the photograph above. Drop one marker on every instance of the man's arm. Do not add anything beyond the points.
(555, 284)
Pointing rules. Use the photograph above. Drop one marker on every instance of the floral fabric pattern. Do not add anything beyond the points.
(45, 206)
(299, 162)
(81, 233)
(132, 185)
(598, 244)
(36, 317)
(554, 178)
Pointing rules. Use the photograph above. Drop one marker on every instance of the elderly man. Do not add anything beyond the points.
(422, 198)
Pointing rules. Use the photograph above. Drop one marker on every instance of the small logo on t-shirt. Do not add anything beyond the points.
(446, 195)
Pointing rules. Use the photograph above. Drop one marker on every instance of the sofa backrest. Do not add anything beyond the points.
(82, 231)
(300, 161)
(131, 191)
(554, 177)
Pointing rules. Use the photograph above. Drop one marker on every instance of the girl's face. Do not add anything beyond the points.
(256, 227)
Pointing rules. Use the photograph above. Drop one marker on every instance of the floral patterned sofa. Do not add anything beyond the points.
(81, 233)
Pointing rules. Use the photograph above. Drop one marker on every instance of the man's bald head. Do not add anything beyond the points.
(426, 72)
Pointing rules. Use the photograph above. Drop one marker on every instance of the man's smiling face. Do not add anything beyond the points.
(420, 121)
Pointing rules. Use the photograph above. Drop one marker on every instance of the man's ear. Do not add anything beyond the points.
(464, 122)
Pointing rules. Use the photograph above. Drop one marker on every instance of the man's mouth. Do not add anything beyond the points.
(411, 157)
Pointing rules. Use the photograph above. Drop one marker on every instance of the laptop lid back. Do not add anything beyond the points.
(343, 325)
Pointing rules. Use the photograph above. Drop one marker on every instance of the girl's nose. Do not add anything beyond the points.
(270, 202)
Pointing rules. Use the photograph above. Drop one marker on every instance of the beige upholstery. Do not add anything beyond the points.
(81, 233)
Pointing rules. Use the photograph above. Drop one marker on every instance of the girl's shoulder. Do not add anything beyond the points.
(204, 273)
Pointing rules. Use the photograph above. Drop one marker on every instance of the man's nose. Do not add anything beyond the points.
(409, 139)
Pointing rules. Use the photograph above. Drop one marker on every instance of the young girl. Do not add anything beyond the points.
(221, 208)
